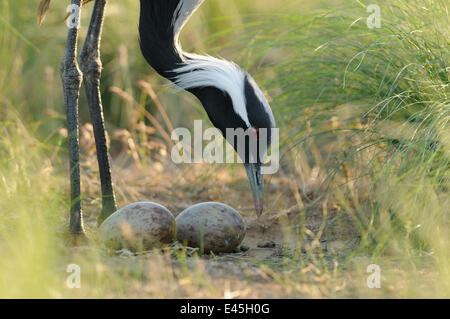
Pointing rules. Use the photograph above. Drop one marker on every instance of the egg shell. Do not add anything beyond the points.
(138, 226)
(211, 226)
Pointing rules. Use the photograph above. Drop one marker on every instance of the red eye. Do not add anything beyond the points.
(254, 132)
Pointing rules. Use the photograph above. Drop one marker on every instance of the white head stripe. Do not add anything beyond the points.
(182, 14)
(202, 71)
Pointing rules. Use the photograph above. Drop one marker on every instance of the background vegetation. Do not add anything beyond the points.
(364, 117)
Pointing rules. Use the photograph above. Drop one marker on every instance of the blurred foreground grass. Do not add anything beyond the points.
(364, 117)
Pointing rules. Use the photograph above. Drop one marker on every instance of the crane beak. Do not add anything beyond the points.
(256, 180)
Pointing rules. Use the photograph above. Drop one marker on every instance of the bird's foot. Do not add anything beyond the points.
(108, 209)
(77, 240)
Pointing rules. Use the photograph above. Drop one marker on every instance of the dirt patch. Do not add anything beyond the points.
(284, 232)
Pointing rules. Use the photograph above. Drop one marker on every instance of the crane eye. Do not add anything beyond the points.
(254, 132)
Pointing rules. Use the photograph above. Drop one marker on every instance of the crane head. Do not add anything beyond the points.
(237, 107)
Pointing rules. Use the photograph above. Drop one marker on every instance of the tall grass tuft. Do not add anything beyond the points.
(377, 100)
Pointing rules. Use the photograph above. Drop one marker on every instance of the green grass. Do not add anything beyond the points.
(385, 89)
(364, 110)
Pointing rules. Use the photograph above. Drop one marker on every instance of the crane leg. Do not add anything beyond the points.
(91, 67)
(71, 80)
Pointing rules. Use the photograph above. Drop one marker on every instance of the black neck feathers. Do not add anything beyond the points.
(157, 35)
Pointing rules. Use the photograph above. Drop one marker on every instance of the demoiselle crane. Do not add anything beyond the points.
(229, 95)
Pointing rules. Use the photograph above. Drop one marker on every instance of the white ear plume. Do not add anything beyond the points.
(203, 71)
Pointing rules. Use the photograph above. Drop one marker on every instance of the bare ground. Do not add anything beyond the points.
(302, 247)
(287, 252)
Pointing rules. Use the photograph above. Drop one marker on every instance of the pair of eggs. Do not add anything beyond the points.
(210, 226)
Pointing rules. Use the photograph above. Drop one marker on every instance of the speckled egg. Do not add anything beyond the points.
(212, 227)
(139, 226)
